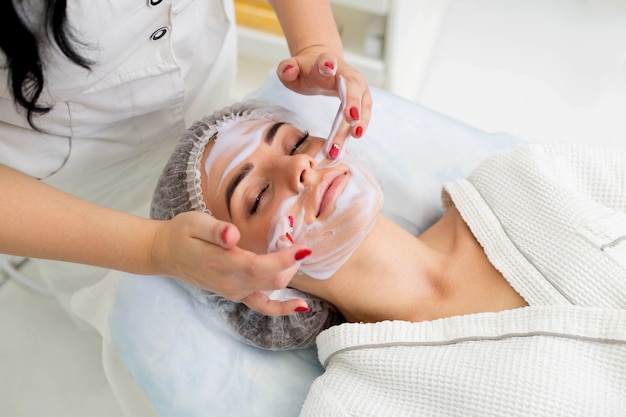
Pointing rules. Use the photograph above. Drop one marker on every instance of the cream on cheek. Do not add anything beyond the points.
(334, 239)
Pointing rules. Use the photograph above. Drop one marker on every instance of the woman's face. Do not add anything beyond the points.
(271, 180)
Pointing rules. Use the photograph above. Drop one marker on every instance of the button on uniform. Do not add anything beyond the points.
(162, 31)
(159, 33)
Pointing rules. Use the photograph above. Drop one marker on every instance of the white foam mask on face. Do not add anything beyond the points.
(333, 240)
(238, 139)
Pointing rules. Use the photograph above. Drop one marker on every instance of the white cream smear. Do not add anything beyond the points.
(238, 141)
(333, 240)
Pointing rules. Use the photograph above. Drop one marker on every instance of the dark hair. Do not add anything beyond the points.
(21, 48)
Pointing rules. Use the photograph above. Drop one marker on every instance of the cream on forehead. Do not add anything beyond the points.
(236, 141)
(335, 239)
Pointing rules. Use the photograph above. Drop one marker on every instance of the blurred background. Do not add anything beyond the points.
(539, 69)
(543, 69)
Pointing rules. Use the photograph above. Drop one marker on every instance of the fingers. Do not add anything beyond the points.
(238, 272)
(288, 71)
(202, 251)
(335, 145)
(211, 230)
(327, 65)
(366, 114)
(358, 105)
(274, 270)
(348, 119)
(263, 304)
(247, 270)
(309, 74)
(354, 93)
(229, 235)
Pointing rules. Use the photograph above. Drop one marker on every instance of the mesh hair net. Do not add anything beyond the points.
(296, 331)
(179, 190)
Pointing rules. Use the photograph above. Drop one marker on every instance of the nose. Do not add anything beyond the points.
(299, 171)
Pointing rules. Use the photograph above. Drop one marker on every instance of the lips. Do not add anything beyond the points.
(329, 189)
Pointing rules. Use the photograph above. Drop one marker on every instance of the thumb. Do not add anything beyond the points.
(217, 232)
(229, 236)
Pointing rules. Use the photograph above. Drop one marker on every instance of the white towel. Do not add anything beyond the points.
(536, 361)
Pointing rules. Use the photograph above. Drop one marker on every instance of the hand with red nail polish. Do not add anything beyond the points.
(260, 302)
(203, 251)
(274, 262)
(314, 71)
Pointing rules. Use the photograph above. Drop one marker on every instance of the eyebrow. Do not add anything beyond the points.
(230, 190)
(271, 132)
(247, 168)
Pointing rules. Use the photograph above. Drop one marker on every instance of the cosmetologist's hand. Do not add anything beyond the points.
(198, 249)
(313, 71)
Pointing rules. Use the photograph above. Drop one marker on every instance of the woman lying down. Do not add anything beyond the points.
(512, 303)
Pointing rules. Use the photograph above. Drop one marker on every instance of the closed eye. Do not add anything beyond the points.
(299, 143)
(257, 201)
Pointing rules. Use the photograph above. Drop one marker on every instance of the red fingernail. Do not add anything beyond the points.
(354, 113)
(302, 309)
(290, 221)
(334, 151)
(288, 235)
(288, 67)
(330, 65)
(224, 233)
(302, 253)
(359, 131)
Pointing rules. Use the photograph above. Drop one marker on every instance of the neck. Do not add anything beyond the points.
(392, 275)
(396, 276)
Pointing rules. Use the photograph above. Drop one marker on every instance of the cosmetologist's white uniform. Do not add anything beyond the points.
(159, 66)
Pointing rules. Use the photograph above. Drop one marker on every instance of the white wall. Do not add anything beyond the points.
(540, 69)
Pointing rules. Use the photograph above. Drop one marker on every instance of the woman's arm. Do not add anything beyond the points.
(308, 24)
(39, 221)
(42, 222)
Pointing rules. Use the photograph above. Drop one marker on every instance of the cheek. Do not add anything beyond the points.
(253, 238)
(288, 216)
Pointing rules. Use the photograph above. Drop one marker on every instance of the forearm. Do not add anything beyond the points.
(308, 23)
(39, 221)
